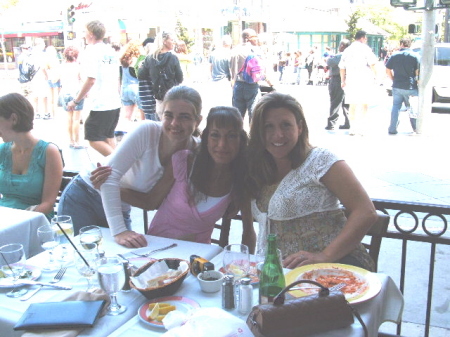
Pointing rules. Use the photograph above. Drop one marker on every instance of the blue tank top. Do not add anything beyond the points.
(22, 190)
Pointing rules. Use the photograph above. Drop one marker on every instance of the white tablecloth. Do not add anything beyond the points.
(386, 306)
(12, 309)
(18, 226)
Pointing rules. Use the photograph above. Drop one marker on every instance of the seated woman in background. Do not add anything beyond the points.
(137, 163)
(30, 169)
(297, 189)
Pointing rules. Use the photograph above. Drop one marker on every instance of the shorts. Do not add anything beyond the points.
(56, 84)
(67, 98)
(100, 125)
(130, 96)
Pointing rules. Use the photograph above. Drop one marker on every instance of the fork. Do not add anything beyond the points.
(335, 287)
(55, 279)
(155, 250)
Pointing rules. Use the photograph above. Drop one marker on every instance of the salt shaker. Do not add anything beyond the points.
(228, 292)
(245, 296)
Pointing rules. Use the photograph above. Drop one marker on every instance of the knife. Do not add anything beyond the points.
(30, 282)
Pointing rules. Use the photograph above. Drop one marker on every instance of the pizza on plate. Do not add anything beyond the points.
(355, 284)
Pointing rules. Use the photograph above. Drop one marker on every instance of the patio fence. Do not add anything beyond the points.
(422, 223)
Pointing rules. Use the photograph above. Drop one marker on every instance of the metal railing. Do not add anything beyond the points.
(417, 222)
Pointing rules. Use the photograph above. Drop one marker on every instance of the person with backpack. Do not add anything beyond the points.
(26, 69)
(246, 70)
(162, 67)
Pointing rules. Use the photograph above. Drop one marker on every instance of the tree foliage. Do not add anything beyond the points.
(5, 4)
(352, 23)
(183, 35)
(382, 17)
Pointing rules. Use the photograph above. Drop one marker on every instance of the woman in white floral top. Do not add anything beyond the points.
(298, 190)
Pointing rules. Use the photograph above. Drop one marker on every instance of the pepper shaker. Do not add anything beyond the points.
(228, 292)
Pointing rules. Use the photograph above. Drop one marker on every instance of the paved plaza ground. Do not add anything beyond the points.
(403, 167)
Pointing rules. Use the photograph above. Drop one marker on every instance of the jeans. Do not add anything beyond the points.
(84, 204)
(399, 97)
(244, 94)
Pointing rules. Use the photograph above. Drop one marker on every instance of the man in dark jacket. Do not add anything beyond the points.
(337, 95)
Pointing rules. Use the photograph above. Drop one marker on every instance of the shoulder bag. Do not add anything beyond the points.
(303, 316)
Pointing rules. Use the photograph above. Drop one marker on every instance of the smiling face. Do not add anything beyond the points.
(281, 132)
(179, 120)
(223, 144)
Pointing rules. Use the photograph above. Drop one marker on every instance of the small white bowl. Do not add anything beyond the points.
(214, 284)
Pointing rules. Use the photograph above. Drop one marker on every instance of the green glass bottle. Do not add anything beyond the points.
(271, 280)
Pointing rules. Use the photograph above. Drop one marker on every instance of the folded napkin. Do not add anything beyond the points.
(95, 295)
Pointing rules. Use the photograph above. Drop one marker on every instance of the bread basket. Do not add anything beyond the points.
(167, 289)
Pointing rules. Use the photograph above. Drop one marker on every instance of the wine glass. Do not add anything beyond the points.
(91, 234)
(90, 254)
(49, 239)
(65, 221)
(111, 277)
(12, 262)
(236, 260)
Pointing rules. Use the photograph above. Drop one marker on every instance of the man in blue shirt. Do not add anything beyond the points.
(403, 69)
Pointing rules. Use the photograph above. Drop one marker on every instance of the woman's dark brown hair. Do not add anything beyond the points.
(17, 104)
(262, 168)
(221, 117)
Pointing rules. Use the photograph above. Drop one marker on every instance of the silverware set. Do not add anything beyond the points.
(336, 287)
(51, 283)
(155, 250)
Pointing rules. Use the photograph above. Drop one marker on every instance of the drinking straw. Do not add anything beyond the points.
(74, 247)
(7, 263)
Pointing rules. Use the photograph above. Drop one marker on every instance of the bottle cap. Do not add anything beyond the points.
(228, 278)
(246, 280)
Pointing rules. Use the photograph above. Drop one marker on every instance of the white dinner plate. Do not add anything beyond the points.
(362, 285)
(182, 304)
(35, 274)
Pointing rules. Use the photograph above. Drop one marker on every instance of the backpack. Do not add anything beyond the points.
(27, 70)
(252, 71)
(161, 82)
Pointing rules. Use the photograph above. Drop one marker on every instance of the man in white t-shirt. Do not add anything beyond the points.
(102, 70)
(357, 70)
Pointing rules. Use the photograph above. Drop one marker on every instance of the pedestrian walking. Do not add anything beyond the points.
(102, 83)
(129, 81)
(70, 85)
(245, 91)
(148, 101)
(403, 69)
(163, 67)
(357, 68)
(337, 94)
(219, 61)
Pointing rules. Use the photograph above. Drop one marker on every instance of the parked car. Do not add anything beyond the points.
(441, 73)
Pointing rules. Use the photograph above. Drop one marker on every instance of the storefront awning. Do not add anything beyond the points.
(34, 29)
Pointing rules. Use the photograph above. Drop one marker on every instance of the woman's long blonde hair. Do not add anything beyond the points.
(159, 42)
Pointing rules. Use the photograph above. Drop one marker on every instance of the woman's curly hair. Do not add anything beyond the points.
(132, 50)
